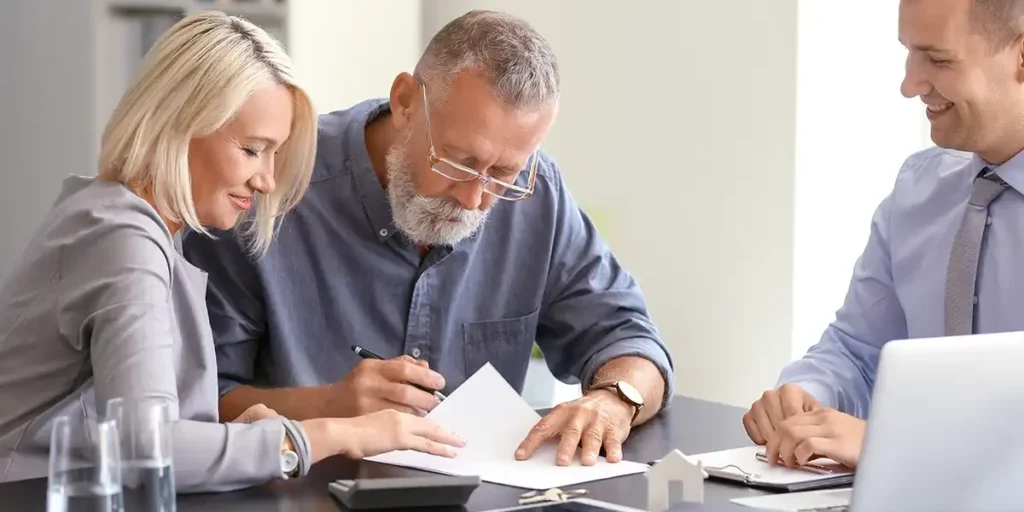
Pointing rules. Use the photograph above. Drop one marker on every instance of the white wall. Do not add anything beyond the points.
(347, 51)
(676, 132)
(731, 151)
(854, 130)
(46, 109)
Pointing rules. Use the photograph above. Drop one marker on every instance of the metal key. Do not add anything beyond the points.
(555, 495)
(549, 496)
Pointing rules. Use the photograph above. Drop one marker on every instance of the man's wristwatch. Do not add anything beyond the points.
(627, 393)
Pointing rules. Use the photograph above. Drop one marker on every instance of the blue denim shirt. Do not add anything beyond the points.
(340, 274)
(899, 282)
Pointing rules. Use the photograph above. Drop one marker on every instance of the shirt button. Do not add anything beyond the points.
(975, 299)
(988, 221)
(383, 232)
(416, 352)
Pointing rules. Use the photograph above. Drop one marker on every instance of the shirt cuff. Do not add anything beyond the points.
(636, 347)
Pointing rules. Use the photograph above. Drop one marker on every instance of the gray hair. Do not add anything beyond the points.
(505, 50)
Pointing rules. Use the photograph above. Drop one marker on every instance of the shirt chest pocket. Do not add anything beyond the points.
(506, 344)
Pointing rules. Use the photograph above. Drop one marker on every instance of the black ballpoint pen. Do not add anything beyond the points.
(366, 354)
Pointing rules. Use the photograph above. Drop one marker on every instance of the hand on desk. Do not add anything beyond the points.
(774, 406)
(796, 429)
(375, 385)
(820, 433)
(599, 418)
(385, 431)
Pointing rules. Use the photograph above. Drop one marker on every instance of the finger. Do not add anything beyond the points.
(816, 417)
(422, 444)
(764, 424)
(431, 430)
(789, 438)
(771, 448)
(793, 437)
(257, 412)
(613, 445)
(418, 362)
(591, 444)
(409, 396)
(812, 448)
(773, 406)
(545, 429)
(401, 370)
(402, 408)
(792, 397)
(570, 440)
(752, 431)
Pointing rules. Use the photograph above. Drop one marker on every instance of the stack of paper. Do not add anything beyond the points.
(494, 419)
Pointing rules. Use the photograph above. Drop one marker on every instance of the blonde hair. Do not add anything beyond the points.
(193, 81)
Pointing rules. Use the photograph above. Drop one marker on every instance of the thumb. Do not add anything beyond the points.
(418, 362)
(256, 413)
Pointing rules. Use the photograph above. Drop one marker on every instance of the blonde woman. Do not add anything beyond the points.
(100, 305)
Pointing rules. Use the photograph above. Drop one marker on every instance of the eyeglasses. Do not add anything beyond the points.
(458, 172)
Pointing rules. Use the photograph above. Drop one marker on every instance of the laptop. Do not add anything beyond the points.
(946, 428)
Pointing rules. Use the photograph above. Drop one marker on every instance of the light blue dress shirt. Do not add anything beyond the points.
(898, 285)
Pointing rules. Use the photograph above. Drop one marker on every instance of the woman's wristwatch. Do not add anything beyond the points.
(295, 451)
(289, 461)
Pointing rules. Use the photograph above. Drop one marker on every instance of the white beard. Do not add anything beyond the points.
(428, 221)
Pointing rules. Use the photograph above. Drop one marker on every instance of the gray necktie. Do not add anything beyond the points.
(963, 258)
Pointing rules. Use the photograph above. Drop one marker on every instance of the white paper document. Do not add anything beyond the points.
(798, 501)
(494, 419)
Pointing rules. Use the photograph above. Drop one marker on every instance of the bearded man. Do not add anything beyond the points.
(436, 234)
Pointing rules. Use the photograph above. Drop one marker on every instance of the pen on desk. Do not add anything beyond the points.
(366, 354)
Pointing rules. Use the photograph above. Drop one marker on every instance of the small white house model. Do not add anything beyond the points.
(674, 479)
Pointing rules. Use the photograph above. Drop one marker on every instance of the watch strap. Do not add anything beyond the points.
(614, 386)
(300, 441)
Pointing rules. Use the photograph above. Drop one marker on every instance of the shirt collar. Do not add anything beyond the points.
(371, 193)
(1011, 171)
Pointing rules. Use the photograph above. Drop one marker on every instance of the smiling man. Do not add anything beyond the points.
(925, 272)
(437, 234)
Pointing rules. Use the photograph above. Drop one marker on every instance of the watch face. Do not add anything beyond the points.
(289, 461)
(631, 393)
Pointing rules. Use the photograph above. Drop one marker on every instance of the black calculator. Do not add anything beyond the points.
(426, 492)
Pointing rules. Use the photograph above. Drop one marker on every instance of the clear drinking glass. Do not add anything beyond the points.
(147, 469)
(85, 467)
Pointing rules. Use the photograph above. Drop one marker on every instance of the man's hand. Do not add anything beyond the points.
(598, 418)
(774, 407)
(821, 433)
(375, 385)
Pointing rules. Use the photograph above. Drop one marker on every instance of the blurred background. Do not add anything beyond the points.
(731, 152)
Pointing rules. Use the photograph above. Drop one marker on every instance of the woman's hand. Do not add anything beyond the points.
(256, 413)
(376, 433)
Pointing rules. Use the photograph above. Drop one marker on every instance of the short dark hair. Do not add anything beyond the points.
(1000, 21)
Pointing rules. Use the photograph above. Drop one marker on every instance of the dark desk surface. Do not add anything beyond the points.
(693, 426)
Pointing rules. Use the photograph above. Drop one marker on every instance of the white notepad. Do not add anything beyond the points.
(741, 465)
(494, 419)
